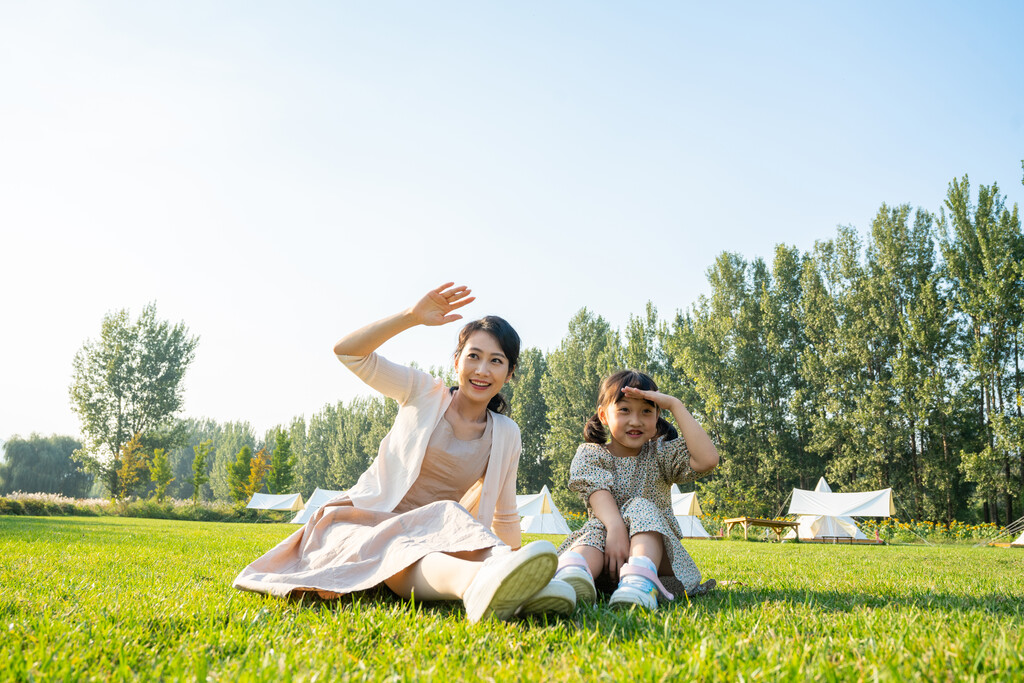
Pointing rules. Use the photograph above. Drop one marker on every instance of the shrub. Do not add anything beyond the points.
(11, 507)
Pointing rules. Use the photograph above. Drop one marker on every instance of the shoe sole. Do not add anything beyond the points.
(536, 566)
(555, 601)
(586, 593)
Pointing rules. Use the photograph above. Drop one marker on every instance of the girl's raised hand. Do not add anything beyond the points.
(436, 307)
(663, 401)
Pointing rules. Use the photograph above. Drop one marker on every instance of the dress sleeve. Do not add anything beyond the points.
(391, 379)
(591, 470)
(674, 458)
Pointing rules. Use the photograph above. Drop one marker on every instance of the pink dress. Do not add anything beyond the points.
(350, 549)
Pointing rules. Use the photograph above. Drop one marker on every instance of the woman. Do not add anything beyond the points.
(434, 515)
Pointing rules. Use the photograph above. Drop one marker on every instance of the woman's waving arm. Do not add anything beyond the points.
(435, 308)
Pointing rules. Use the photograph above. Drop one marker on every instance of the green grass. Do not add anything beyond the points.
(122, 599)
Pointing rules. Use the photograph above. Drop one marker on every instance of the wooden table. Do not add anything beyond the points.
(777, 526)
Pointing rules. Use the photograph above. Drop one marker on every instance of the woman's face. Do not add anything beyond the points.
(482, 367)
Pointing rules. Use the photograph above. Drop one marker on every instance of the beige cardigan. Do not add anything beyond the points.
(422, 401)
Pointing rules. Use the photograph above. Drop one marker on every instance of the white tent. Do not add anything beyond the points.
(315, 502)
(266, 501)
(686, 509)
(538, 514)
(823, 513)
(1019, 543)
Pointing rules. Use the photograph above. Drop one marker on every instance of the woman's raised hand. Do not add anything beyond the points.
(436, 307)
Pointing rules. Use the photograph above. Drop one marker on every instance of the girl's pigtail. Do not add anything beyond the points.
(594, 431)
(664, 428)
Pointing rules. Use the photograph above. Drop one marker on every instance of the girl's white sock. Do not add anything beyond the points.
(575, 555)
(642, 561)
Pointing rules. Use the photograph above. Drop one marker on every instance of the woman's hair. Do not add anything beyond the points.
(508, 340)
(611, 392)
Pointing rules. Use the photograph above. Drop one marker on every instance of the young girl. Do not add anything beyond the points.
(435, 514)
(625, 472)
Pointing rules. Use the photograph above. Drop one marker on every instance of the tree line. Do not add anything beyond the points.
(888, 359)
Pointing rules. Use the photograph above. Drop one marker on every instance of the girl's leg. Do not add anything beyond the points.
(649, 544)
(593, 556)
(646, 553)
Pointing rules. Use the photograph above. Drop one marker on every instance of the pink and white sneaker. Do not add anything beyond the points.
(573, 569)
(639, 585)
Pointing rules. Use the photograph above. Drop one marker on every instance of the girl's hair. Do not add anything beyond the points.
(508, 340)
(611, 392)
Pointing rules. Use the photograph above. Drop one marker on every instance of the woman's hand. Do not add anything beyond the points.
(433, 309)
(616, 549)
(436, 307)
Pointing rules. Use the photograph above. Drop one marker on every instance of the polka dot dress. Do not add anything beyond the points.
(641, 486)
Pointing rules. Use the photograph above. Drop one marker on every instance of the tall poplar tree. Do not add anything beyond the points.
(589, 352)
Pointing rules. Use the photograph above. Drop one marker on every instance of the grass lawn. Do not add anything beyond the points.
(111, 598)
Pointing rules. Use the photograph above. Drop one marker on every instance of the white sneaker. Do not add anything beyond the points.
(638, 585)
(557, 597)
(581, 581)
(626, 596)
(506, 581)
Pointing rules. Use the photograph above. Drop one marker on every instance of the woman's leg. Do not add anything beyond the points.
(438, 576)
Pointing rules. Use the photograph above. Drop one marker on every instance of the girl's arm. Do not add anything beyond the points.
(435, 308)
(616, 546)
(703, 454)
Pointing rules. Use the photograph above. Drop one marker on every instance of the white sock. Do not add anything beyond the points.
(643, 561)
(575, 555)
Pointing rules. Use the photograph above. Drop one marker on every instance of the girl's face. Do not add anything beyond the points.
(482, 367)
(631, 422)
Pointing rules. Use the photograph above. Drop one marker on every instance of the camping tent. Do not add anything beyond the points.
(315, 502)
(539, 515)
(823, 513)
(686, 509)
(266, 501)
(1019, 543)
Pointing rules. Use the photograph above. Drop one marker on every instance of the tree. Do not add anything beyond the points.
(530, 412)
(282, 465)
(199, 473)
(239, 473)
(983, 249)
(134, 465)
(314, 466)
(161, 473)
(195, 432)
(127, 383)
(259, 465)
(228, 441)
(43, 465)
(589, 352)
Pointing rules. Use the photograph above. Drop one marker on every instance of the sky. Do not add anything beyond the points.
(275, 175)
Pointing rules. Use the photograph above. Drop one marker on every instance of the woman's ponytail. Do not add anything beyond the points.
(499, 404)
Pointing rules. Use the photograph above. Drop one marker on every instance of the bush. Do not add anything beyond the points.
(11, 507)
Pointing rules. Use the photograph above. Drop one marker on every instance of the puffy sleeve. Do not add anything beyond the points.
(391, 379)
(674, 458)
(591, 470)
